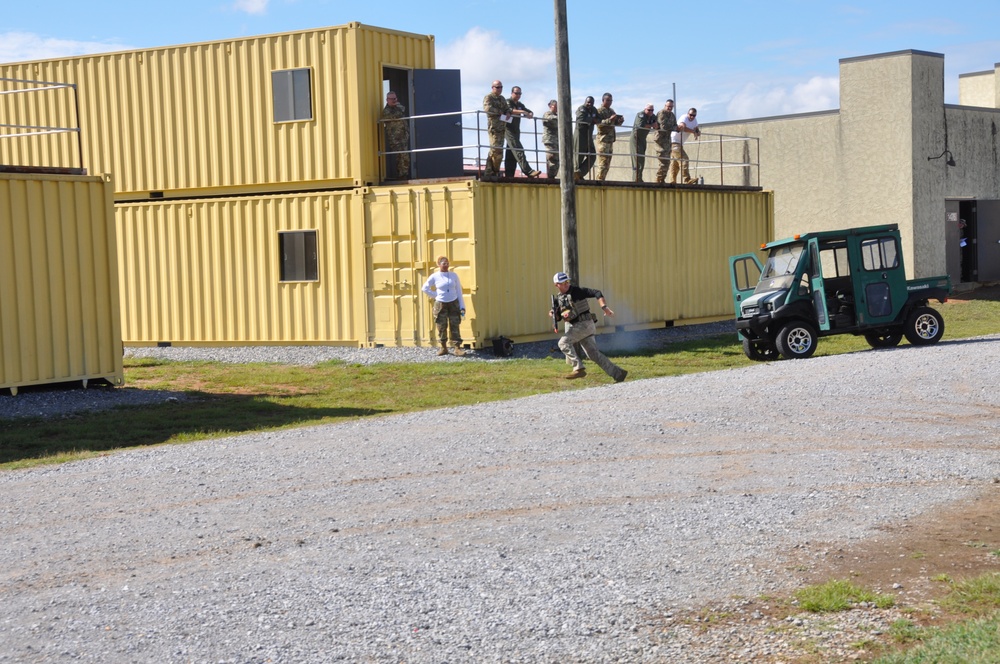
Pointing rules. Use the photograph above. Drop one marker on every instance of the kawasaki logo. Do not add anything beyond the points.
(921, 287)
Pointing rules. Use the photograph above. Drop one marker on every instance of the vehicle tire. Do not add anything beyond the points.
(796, 340)
(760, 351)
(883, 339)
(924, 326)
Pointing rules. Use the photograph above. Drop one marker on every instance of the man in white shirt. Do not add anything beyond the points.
(449, 306)
(678, 157)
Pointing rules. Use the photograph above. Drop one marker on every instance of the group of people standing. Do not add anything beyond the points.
(669, 134)
(504, 120)
(503, 124)
(504, 116)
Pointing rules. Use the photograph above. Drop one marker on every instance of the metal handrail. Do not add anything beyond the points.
(42, 130)
(474, 153)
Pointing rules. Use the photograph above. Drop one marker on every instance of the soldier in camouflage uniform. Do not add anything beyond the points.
(583, 138)
(515, 151)
(397, 136)
(608, 120)
(550, 139)
(668, 123)
(497, 112)
(645, 121)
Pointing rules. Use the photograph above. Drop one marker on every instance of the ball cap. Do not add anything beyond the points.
(560, 278)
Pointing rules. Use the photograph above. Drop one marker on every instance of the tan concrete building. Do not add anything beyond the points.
(894, 152)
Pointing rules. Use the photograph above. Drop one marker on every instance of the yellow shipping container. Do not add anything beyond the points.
(253, 270)
(287, 112)
(659, 255)
(347, 267)
(58, 281)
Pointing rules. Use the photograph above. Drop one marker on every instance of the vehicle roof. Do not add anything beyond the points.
(833, 235)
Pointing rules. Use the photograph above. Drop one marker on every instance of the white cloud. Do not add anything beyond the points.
(483, 56)
(251, 6)
(819, 93)
(26, 46)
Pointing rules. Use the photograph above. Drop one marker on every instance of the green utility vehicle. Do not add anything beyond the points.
(836, 282)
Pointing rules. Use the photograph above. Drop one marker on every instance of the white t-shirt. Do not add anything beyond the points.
(680, 136)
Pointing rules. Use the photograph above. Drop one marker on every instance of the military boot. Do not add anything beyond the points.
(443, 350)
(459, 351)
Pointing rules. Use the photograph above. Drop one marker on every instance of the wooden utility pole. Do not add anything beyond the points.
(567, 186)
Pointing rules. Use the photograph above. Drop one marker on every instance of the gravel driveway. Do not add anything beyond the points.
(556, 528)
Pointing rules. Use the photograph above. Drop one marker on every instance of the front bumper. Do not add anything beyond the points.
(754, 327)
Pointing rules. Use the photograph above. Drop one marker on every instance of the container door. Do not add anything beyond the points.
(397, 269)
(437, 91)
(815, 272)
(744, 275)
(880, 283)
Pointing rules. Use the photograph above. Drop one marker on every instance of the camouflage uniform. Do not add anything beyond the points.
(668, 123)
(397, 138)
(637, 142)
(550, 139)
(515, 151)
(495, 105)
(583, 139)
(605, 140)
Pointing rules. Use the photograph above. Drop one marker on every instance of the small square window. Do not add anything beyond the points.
(292, 91)
(880, 254)
(299, 260)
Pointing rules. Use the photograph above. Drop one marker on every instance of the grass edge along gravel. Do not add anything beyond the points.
(974, 640)
(215, 399)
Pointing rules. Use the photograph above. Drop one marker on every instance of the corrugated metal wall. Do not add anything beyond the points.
(377, 48)
(658, 254)
(58, 281)
(209, 271)
(186, 119)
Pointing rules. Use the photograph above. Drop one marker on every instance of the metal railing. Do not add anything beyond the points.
(13, 130)
(711, 156)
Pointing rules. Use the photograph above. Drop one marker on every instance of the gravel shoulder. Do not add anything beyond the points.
(567, 527)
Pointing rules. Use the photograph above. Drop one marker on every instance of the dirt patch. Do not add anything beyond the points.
(914, 559)
(916, 562)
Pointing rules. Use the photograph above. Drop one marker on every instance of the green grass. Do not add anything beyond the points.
(969, 642)
(974, 641)
(839, 595)
(218, 399)
(979, 596)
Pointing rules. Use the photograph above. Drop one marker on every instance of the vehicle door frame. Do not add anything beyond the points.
(735, 282)
(866, 282)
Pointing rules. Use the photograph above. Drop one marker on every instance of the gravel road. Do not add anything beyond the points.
(557, 528)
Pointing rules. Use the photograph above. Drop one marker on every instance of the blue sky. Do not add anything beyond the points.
(732, 60)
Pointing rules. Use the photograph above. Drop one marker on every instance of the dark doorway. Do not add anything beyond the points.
(961, 240)
(398, 81)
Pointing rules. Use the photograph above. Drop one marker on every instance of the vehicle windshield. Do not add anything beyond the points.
(779, 270)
